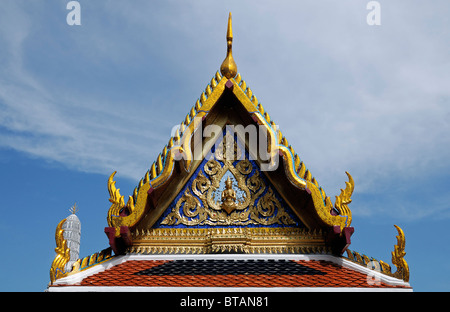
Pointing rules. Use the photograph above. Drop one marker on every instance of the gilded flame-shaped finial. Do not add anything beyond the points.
(228, 67)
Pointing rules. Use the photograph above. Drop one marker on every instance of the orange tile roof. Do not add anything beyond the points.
(234, 273)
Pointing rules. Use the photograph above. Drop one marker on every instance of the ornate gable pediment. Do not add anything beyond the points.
(227, 205)
(182, 187)
(228, 191)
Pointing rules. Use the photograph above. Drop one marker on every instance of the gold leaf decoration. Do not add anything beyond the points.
(62, 254)
(342, 201)
(250, 207)
(398, 256)
(115, 198)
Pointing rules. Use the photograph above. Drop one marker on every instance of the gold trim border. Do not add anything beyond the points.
(228, 240)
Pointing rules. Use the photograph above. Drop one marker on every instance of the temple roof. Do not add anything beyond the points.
(211, 195)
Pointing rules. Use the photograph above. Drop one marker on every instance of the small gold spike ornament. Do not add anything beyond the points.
(398, 256)
(228, 67)
(344, 199)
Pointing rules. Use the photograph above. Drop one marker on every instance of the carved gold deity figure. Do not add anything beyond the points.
(252, 201)
(228, 197)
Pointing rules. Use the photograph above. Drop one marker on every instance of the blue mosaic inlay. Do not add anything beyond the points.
(280, 211)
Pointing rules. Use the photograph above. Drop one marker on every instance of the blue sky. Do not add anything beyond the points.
(79, 102)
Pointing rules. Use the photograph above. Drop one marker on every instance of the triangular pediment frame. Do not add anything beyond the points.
(177, 162)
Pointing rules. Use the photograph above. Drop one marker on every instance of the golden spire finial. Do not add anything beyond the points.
(228, 67)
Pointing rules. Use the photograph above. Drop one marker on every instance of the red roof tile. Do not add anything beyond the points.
(235, 273)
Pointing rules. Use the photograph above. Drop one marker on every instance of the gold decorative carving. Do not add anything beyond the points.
(57, 269)
(114, 197)
(397, 259)
(62, 254)
(248, 208)
(323, 205)
(342, 201)
(295, 169)
(398, 256)
(91, 260)
(161, 170)
(237, 239)
(228, 197)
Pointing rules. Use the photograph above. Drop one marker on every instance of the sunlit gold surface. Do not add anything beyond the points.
(228, 67)
(62, 254)
(205, 209)
(398, 256)
(91, 260)
(344, 198)
(228, 197)
(267, 211)
(213, 240)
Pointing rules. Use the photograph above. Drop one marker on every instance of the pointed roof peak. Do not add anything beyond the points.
(229, 67)
(229, 29)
